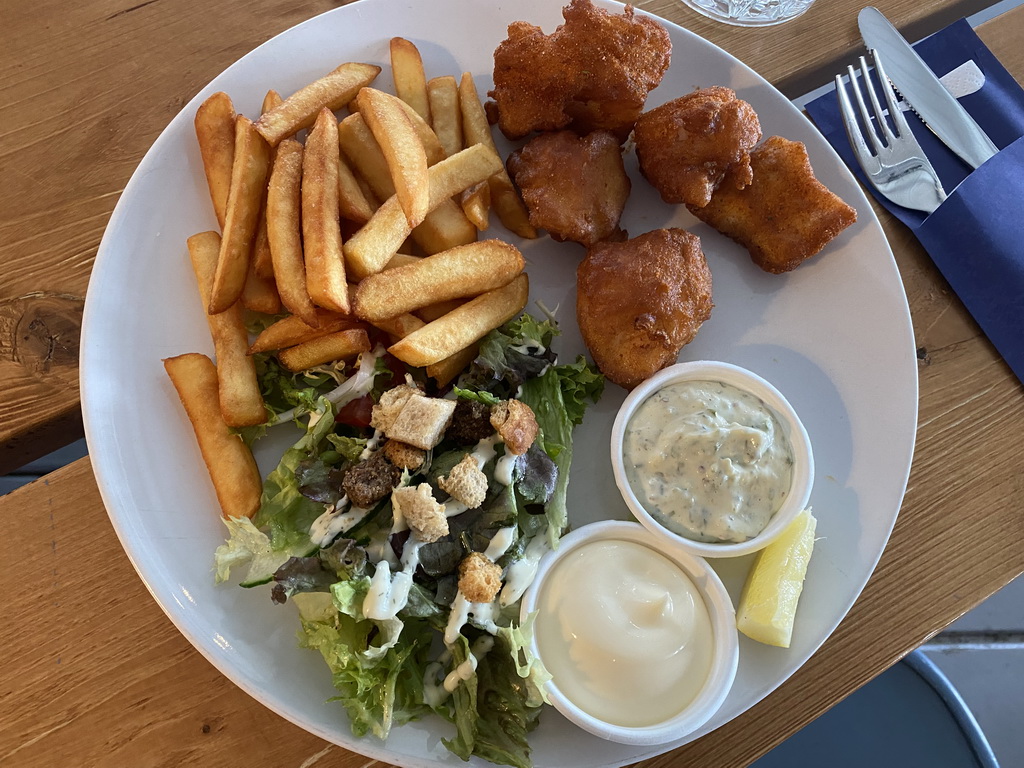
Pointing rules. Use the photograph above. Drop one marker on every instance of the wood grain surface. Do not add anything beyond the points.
(96, 675)
(89, 86)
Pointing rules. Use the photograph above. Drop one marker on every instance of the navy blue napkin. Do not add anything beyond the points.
(976, 237)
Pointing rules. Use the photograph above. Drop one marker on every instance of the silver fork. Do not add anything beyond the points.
(897, 167)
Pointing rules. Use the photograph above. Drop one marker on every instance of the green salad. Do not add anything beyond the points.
(406, 524)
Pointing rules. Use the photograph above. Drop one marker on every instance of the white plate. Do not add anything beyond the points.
(834, 336)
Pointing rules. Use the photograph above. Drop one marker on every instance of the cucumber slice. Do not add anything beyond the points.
(265, 562)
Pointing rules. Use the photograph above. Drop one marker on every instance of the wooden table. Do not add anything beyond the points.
(94, 674)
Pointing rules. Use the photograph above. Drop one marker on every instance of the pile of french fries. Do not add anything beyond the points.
(370, 221)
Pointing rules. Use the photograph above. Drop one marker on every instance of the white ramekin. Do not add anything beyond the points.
(803, 465)
(725, 648)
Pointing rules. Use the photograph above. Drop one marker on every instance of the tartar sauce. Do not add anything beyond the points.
(708, 460)
(624, 633)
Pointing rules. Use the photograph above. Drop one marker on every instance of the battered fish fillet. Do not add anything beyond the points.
(639, 302)
(687, 146)
(592, 73)
(785, 215)
(574, 187)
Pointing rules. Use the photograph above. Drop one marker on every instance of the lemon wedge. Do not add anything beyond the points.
(767, 606)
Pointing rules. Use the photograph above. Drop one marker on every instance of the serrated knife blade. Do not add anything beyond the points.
(922, 90)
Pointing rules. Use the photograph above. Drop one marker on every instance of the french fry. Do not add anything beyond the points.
(504, 197)
(431, 144)
(300, 110)
(445, 113)
(377, 242)
(241, 404)
(262, 262)
(401, 326)
(410, 81)
(444, 371)
(236, 478)
(398, 327)
(401, 260)
(353, 203)
(476, 204)
(457, 273)
(468, 324)
(284, 231)
(364, 153)
(260, 293)
(402, 148)
(215, 130)
(291, 330)
(444, 227)
(321, 231)
(249, 172)
(326, 349)
(430, 313)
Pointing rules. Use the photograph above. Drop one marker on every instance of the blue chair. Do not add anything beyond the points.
(908, 717)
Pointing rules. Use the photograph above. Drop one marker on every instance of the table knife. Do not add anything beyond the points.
(921, 89)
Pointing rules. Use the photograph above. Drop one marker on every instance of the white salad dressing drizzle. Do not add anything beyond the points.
(335, 520)
(499, 545)
(520, 574)
(503, 468)
(480, 648)
(388, 594)
(454, 507)
(458, 616)
(371, 445)
(434, 692)
(485, 450)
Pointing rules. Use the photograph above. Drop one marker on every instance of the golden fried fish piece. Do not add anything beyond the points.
(688, 145)
(592, 73)
(640, 301)
(785, 216)
(575, 187)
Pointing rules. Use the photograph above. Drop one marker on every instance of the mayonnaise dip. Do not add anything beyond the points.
(708, 460)
(624, 632)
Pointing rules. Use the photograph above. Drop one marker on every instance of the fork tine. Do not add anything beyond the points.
(862, 108)
(853, 131)
(883, 124)
(898, 118)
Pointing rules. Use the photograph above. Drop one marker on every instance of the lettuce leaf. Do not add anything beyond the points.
(492, 711)
(379, 688)
(245, 542)
(544, 396)
(547, 395)
(516, 352)
(284, 511)
(579, 383)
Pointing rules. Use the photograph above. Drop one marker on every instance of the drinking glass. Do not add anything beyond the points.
(750, 13)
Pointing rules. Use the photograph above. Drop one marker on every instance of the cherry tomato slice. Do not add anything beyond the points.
(356, 413)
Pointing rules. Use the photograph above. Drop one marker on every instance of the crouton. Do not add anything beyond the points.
(516, 424)
(423, 514)
(403, 455)
(466, 482)
(471, 423)
(479, 578)
(370, 481)
(422, 421)
(390, 405)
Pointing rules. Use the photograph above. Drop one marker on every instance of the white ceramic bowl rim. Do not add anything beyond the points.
(725, 654)
(741, 378)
